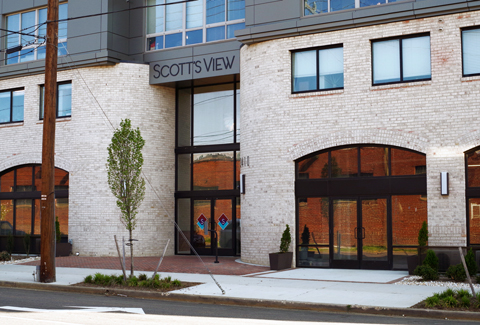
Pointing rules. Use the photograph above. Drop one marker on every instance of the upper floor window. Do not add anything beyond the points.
(313, 7)
(172, 24)
(32, 47)
(11, 106)
(401, 59)
(64, 100)
(471, 51)
(320, 69)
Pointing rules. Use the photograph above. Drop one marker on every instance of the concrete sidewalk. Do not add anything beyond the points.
(321, 289)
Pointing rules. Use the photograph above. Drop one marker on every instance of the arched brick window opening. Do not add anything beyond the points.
(360, 206)
(20, 191)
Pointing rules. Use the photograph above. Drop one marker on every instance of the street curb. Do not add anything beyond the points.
(248, 302)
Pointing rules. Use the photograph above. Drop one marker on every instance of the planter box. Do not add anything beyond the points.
(63, 249)
(281, 261)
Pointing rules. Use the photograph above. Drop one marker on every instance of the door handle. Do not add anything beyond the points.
(355, 231)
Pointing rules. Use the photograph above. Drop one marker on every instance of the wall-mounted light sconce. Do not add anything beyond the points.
(444, 183)
(242, 183)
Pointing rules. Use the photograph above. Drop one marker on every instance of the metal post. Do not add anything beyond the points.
(466, 271)
(47, 262)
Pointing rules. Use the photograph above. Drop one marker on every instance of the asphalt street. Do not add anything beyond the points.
(71, 308)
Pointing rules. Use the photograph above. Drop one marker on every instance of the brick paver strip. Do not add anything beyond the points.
(173, 264)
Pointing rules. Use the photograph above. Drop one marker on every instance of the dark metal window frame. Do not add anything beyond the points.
(471, 193)
(31, 195)
(11, 104)
(317, 74)
(42, 102)
(463, 63)
(400, 39)
(228, 147)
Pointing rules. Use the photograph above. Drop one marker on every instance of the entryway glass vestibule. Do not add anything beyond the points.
(359, 207)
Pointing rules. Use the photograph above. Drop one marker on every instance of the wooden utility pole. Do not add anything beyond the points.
(47, 265)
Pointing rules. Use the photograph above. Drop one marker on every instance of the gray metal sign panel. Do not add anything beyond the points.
(195, 67)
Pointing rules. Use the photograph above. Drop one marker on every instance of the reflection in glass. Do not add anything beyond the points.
(6, 214)
(304, 70)
(201, 224)
(183, 172)
(471, 51)
(213, 115)
(61, 179)
(213, 171)
(313, 222)
(374, 161)
(36, 221)
(215, 33)
(23, 217)
(232, 28)
(224, 223)
(386, 61)
(215, 11)
(374, 231)
(408, 214)
(313, 7)
(407, 162)
(24, 179)
(61, 212)
(344, 162)
(416, 58)
(474, 220)
(337, 5)
(64, 102)
(344, 226)
(194, 37)
(17, 105)
(155, 43)
(174, 16)
(473, 169)
(28, 27)
(236, 9)
(155, 16)
(5, 107)
(173, 40)
(6, 182)
(331, 68)
(183, 221)
(313, 167)
(366, 3)
(62, 25)
(194, 14)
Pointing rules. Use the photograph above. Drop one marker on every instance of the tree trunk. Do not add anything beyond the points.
(131, 253)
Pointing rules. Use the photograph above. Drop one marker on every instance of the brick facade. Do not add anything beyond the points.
(117, 92)
(436, 117)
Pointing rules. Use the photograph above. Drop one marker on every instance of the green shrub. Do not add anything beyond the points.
(168, 279)
(432, 301)
(463, 293)
(99, 279)
(426, 272)
(450, 301)
(285, 240)
(456, 273)
(472, 266)
(431, 260)
(4, 256)
(88, 279)
(447, 293)
(177, 283)
(142, 277)
(132, 281)
(423, 235)
(465, 302)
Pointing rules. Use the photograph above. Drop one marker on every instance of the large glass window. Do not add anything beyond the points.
(20, 190)
(171, 23)
(313, 7)
(64, 100)
(471, 51)
(320, 69)
(11, 106)
(27, 32)
(362, 161)
(401, 59)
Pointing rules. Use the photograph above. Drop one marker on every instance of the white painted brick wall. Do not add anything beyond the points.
(122, 91)
(438, 117)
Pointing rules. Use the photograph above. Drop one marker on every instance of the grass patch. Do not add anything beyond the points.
(142, 281)
(452, 300)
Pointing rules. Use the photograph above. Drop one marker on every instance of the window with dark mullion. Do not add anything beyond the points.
(401, 59)
(64, 100)
(471, 51)
(11, 106)
(319, 69)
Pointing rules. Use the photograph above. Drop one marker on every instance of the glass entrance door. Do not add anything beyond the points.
(359, 233)
(214, 227)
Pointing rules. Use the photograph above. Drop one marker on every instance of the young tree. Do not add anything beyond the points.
(124, 168)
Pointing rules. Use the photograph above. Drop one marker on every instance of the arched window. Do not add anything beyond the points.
(20, 191)
(472, 162)
(360, 206)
